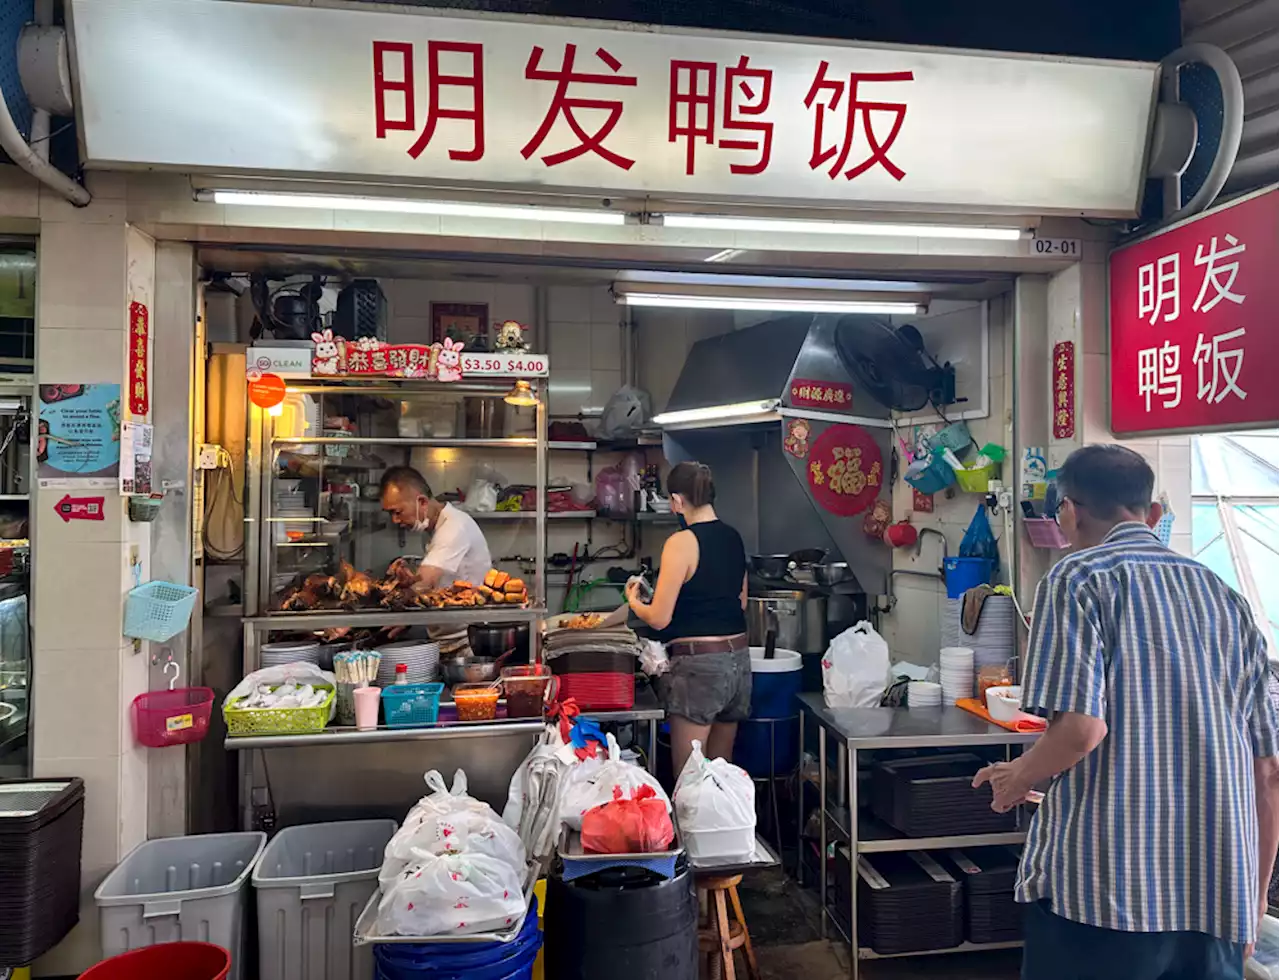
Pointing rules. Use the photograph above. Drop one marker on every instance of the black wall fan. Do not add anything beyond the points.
(892, 365)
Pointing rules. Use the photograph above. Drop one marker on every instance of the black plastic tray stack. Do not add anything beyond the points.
(991, 914)
(934, 797)
(41, 827)
(915, 913)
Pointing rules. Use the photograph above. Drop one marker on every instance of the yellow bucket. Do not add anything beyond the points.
(540, 890)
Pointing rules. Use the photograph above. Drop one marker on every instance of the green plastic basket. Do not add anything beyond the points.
(976, 480)
(278, 721)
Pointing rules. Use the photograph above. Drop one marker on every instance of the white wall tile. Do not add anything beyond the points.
(81, 274)
(570, 391)
(603, 385)
(569, 304)
(88, 356)
(77, 717)
(569, 346)
(88, 577)
(606, 346)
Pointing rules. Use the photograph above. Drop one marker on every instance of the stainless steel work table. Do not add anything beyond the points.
(864, 730)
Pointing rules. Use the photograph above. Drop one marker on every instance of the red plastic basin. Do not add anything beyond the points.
(167, 961)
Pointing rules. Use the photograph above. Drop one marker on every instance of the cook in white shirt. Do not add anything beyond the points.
(457, 548)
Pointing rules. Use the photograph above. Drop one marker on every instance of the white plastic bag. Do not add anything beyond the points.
(653, 658)
(591, 784)
(715, 807)
(449, 822)
(533, 799)
(627, 410)
(451, 895)
(482, 497)
(855, 670)
(299, 673)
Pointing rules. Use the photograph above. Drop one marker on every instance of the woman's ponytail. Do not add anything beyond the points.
(693, 482)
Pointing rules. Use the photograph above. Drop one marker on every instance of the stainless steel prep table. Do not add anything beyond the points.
(867, 729)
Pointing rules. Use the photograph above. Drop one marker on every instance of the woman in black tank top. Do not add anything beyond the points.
(698, 610)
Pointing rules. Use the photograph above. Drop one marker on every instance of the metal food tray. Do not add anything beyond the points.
(366, 930)
(570, 849)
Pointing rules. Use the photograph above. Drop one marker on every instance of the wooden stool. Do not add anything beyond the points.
(718, 936)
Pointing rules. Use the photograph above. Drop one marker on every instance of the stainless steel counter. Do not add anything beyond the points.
(909, 728)
(868, 729)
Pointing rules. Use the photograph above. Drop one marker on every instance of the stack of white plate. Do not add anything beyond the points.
(292, 652)
(924, 694)
(956, 665)
(994, 643)
(950, 623)
(421, 657)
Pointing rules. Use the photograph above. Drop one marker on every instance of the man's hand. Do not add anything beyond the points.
(1008, 785)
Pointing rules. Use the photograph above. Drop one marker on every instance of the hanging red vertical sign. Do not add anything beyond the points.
(1064, 390)
(139, 339)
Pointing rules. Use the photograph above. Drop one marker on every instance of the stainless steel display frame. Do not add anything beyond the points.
(866, 729)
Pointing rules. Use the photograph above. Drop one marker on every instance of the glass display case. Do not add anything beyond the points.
(315, 514)
(15, 576)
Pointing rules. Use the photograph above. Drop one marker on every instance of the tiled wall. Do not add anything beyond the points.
(92, 266)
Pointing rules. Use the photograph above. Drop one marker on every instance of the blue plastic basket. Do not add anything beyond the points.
(411, 705)
(158, 611)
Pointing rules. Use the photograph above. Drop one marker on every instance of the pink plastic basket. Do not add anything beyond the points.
(164, 718)
(1045, 533)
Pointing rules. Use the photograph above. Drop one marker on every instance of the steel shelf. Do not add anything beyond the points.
(938, 843)
(513, 442)
(866, 953)
(516, 515)
(328, 618)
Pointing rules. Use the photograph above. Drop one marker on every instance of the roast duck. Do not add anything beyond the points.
(398, 590)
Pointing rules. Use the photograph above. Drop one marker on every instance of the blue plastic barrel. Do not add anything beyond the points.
(963, 574)
(774, 686)
(462, 961)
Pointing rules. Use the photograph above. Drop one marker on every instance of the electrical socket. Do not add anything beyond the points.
(207, 459)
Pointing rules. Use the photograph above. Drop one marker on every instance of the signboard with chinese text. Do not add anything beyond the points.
(845, 470)
(139, 340)
(410, 96)
(1194, 337)
(835, 396)
(1063, 393)
(447, 362)
(79, 439)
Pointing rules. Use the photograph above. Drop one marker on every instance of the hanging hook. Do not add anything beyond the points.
(176, 671)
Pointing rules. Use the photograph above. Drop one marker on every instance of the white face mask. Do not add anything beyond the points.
(422, 524)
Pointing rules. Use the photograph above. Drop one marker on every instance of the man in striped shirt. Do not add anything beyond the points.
(1150, 855)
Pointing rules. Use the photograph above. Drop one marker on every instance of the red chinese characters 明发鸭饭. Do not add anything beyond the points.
(693, 107)
(837, 90)
(562, 104)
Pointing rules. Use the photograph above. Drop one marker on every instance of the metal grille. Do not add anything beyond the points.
(28, 799)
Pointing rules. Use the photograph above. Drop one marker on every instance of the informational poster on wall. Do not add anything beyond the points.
(78, 444)
(135, 457)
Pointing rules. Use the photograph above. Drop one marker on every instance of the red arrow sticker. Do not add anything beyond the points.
(71, 508)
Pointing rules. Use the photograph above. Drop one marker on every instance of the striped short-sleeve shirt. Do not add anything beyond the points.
(1156, 829)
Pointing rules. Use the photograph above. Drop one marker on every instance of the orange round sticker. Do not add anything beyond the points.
(267, 391)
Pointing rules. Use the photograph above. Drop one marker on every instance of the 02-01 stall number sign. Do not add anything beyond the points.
(845, 470)
(139, 340)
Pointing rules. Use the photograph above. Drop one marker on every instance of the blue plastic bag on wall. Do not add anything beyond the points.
(978, 541)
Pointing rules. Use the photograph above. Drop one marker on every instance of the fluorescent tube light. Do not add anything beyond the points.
(715, 222)
(400, 205)
(725, 255)
(762, 411)
(766, 303)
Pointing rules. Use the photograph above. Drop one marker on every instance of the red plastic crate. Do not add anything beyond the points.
(600, 691)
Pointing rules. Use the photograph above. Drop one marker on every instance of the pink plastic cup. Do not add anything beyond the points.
(367, 707)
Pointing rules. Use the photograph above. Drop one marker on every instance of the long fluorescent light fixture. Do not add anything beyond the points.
(401, 205)
(714, 222)
(688, 301)
(738, 412)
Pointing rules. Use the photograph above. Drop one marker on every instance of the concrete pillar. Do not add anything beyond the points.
(92, 265)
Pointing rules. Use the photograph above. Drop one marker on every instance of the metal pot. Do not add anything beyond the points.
(771, 566)
(831, 574)
(491, 640)
(798, 618)
(469, 671)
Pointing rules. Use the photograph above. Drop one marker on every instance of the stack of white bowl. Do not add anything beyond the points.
(420, 657)
(956, 666)
(924, 694)
(290, 652)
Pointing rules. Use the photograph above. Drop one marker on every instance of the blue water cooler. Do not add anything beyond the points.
(773, 725)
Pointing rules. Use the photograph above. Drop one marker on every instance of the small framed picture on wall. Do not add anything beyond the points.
(467, 322)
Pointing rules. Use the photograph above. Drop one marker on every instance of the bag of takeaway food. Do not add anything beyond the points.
(449, 822)
(452, 895)
(637, 824)
(298, 674)
(592, 781)
(715, 807)
(855, 669)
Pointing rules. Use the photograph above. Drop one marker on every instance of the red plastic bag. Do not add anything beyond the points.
(628, 826)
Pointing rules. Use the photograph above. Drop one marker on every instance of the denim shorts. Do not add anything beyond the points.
(708, 687)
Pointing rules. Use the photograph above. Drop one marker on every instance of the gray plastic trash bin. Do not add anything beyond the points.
(311, 885)
(177, 888)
